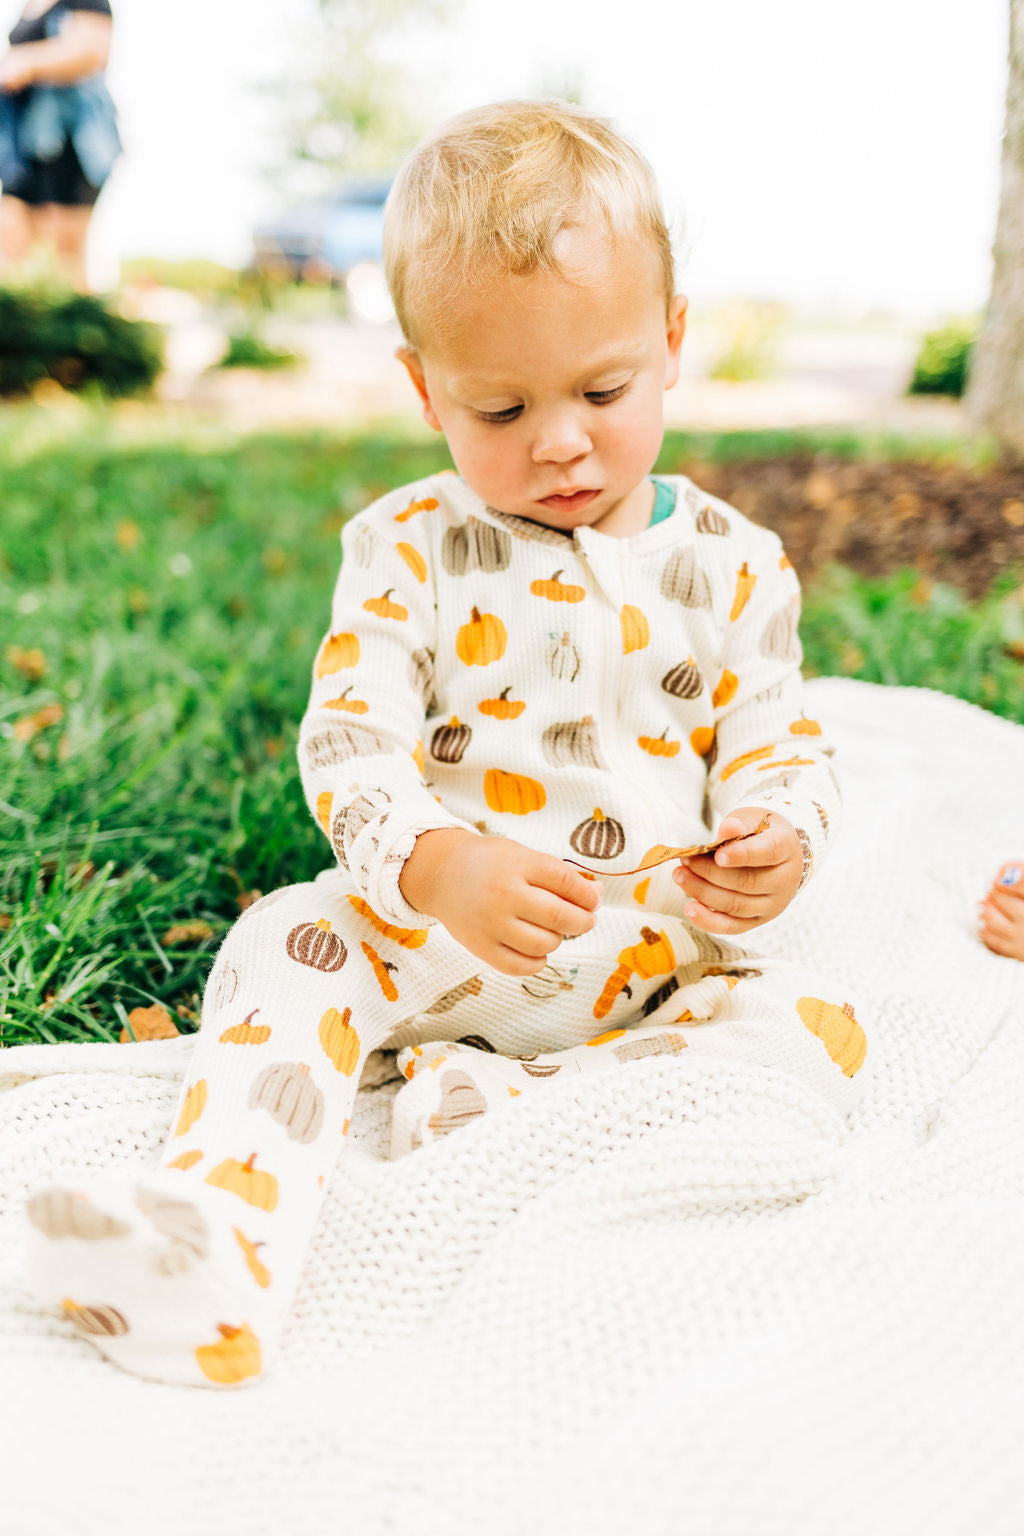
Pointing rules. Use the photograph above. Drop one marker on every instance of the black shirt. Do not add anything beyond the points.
(33, 30)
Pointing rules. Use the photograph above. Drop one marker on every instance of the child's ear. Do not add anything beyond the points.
(410, 359)
(675, 330)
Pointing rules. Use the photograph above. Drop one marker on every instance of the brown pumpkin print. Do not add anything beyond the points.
(449, 742)
(289, 1095)
(96, 1322)
(225, 985)
(66, 1213)
(541, 1068)
(745, 583)
(258, 1270)
(323, 810)
(353, 706)
(781, 638)
(339, 1040)
(710, 521)
(382, 970)
(482, 640)
(192, 1107)
(471, 988)
(660, 995)
(548, 982)
(636, 632)
(570, 742)
(246, 1033)
(563, 658)
(325, 749)
(426, 504)
(409, 938)
(177, 1219)
(461, 1100)
(421, 672)
(337, 653)
(807, 856)
(558, 591)
(838, 1030)
(658, 746)
(599, 837)
(822, 816)
(725, 690)
(683, 580)
(655, 1045)
(384, 608)
(473, 545)
(413, 559)
(246, 1181)
(513, 793)
(234, 1357)
(314, 944)
(702, 739)
(684, 681)
(502, 708)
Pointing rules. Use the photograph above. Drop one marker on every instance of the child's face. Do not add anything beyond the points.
(549, 391)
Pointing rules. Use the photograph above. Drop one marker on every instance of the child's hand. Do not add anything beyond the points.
(505, 903)
(745, 883)
(1001, 919)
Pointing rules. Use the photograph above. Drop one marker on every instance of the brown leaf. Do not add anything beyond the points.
(248, 898)
(1013, 512)
(6, 920)
(149, 1024)
(187, 933)
(30, 725)
(28, 660)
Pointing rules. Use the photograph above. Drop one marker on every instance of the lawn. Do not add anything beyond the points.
(160, 602)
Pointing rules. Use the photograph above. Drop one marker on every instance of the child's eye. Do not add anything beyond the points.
(606, 396)
(509, 414)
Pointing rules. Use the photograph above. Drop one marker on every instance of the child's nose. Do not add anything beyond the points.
(560, 438)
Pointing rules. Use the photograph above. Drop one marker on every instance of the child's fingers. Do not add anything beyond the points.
(746, 879)
(711, 921)
(1011, 877)
(729, 900)
(1007, 903)
(994, 921)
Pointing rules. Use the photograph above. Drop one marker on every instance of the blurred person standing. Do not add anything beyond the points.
(58, 131)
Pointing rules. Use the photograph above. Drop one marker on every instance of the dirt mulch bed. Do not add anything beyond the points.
(961, 526)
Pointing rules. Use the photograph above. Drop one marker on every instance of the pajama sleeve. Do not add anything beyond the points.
(360, 748)
(768, 754)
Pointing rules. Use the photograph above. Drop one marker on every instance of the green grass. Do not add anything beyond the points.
(175, 594)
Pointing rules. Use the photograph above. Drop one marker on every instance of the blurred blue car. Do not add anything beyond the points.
(322, 240)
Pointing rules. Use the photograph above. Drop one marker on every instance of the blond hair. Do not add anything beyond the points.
(494, 187)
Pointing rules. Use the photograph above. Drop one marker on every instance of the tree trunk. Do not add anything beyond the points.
(995, 397)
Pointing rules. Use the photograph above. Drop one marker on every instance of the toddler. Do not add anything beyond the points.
(537, 670)
(1001, 915)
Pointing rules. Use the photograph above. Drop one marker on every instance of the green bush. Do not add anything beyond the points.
(247, 349)
(75, 339)
(944, 359)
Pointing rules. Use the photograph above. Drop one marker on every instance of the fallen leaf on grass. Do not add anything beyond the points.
(28, 660)
(248, 898)
(30, 725)
(187, 933)
(149, 1024)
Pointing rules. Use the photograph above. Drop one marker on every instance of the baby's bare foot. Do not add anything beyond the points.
(1001, 918)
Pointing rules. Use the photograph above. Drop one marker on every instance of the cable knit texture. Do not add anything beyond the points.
(576, 688)
(676, 1297)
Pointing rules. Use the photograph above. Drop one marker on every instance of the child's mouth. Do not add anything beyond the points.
(571, 503)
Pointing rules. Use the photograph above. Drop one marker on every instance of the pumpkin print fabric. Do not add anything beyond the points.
(485, 673)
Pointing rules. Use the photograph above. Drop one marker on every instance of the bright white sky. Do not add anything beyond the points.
(819, 152)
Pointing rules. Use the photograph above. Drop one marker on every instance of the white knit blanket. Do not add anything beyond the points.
(671, 1301)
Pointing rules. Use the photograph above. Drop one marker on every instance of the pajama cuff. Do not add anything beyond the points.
(814, 833)
(382, 889)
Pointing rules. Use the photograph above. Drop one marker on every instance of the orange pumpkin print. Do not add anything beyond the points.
(260, 1272)
(192, 1108)
(246, 1181)
(726, 690)
(558, 591)
(428, 504)
(323, 809)
(503, 708)
(636, 632)
(235, 1357)
(805, 727)
(482, 640)
(609, 1034)
(702, 740)
(409, 938)
(787, 762)
(384, 608)
(513, 792)
(339, 652)
(414, 560)
(653, 956)
(339, 1040)
(745, 760)
(640, 891)
(382, 970)
(354, 706)
(246, 1033)
(186, 1160)
(744, 586)
(418, 756)
(657, 746)
(837, 1029)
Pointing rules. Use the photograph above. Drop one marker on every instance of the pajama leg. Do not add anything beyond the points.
(453, 1083)
(186, 1272)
